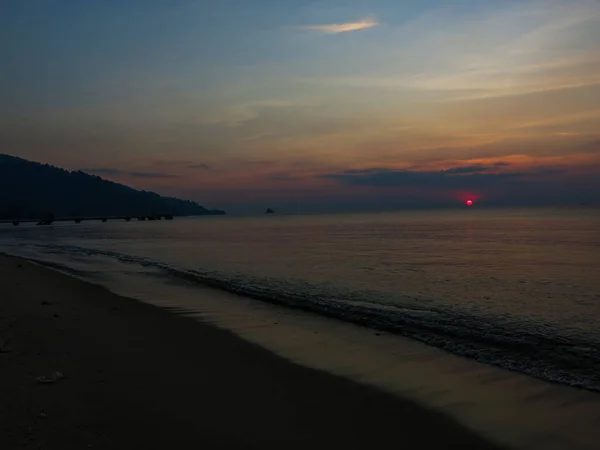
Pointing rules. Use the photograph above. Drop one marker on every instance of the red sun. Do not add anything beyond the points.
(469, 202)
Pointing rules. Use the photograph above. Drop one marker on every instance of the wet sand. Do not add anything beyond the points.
(138, 376)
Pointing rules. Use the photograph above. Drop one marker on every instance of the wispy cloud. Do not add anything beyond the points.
(201, 166)
(102, 171)
(110, 171)
(521, 48)
(151, 175)
(335, 28)
(471, 177)
(259, 136)
(242, 113)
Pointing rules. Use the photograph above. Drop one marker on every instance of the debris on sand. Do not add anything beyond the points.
(52, 378)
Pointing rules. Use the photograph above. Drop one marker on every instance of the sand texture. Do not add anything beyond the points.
(138, 376)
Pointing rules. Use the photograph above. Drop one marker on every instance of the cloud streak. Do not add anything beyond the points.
(200, 166)
(336, 28)
(102, 171)
(151, 175)
(521, 48)
(469, 177)
(243, 113)
(110, 171)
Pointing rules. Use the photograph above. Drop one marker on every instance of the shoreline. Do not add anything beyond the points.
(139, 376)
(507, 347)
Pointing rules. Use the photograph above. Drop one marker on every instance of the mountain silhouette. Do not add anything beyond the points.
(30, 190)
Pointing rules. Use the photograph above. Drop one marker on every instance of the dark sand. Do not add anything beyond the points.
(138, 376)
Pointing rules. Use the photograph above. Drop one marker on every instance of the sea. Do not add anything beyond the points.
(501, 290)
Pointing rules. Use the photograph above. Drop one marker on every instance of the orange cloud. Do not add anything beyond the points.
(335, 28)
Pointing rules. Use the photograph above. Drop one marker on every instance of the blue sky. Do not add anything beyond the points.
(247, 103)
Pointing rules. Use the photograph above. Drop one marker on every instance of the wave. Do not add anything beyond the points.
(516, 346)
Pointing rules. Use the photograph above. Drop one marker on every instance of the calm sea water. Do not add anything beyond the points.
(518, 289)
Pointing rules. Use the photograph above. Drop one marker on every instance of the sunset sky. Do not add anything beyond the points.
(306, 105)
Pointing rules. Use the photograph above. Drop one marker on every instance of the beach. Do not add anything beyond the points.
(138, 376)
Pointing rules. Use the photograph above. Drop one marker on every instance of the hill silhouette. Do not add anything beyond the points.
(30, 190)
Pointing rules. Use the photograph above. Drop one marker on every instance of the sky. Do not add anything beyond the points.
(310, 105)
